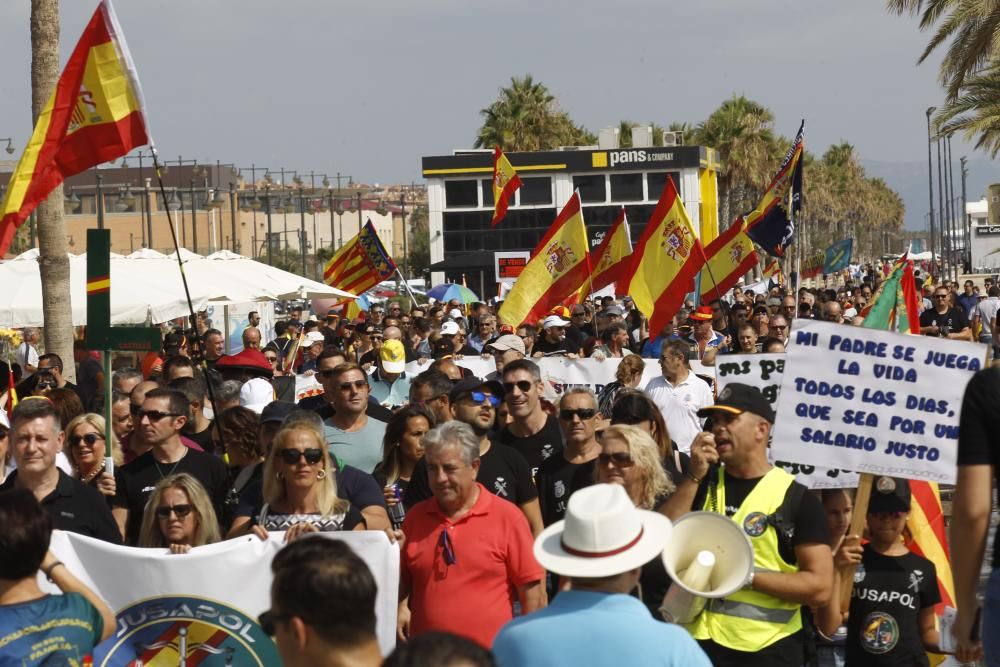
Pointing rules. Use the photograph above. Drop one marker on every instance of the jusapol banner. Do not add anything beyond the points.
(201, 608)
(765, 372)
(873, 401)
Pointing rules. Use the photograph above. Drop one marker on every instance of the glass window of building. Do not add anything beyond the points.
(461, 194)
(626, 187)
(535, 191)
(656, 181)
(487, 186)
(593, 189)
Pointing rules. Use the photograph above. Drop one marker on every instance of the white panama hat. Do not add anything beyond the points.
(603, 534)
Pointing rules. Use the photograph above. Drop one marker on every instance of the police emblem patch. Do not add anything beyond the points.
(755, 524)
(879, 633)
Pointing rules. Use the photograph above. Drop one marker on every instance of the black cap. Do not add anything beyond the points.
(889, 494)
(469, 385)
(276, 411)
(737, 398)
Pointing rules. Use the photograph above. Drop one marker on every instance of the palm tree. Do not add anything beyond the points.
(740, 129)
(976, 111)
(53, 261)
(526, 117)
(972, 27)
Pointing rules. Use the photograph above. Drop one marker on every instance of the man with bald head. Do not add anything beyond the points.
(251, 338)
(832, 312)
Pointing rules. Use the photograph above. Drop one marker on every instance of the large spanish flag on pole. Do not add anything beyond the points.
(730, 256)
(558, 267)
(611, 259)
(665, 261)
(505, 184)
(360, 264)
(95, 115)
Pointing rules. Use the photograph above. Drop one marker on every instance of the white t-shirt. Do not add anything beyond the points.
(680, 404)
(26, 355)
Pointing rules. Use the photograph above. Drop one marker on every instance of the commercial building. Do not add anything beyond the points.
(460, 200)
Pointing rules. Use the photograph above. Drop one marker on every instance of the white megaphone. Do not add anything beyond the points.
(708, 556)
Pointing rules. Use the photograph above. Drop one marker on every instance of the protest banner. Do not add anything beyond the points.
(559, 374)
(202, 607)
(765, 372)
(873, 401)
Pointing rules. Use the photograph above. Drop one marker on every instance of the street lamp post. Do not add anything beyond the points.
(232, 212)
(147, 213)
(930, 189)
(195, 172)
(952, 216)
(267, 209)
(99, 201)
(302, 228)
(10, 145)
(406, 253)
(254, 203)
(194, 218)
(941, 221)
(966, 226)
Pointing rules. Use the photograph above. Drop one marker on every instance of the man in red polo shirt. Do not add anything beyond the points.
(465, 553)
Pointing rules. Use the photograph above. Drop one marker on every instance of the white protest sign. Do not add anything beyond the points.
(765, 371)
(873, 401)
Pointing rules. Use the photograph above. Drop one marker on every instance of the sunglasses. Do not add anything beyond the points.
(479, 396)
(447, 548)
(619, 459)
(583, 413)
(524, 385)
(312, 455)
(180, 510)
(270, 359)
(154, 415)
(940, 296)
(357, 384)
(432, 398)
(89, 438)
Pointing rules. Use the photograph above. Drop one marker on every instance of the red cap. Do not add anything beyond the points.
(701, 314)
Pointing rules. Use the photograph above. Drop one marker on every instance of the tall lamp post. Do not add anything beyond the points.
(10, 145)
(930, 190)
(966, 226)
(952, 213)
(253, 204)
(195, 172)
(147, 213)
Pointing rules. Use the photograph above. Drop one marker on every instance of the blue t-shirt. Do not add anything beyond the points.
(53, 630)
(588, 628)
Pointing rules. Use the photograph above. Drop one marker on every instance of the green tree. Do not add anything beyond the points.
(526, 117)
(976, 111)
(741, 131)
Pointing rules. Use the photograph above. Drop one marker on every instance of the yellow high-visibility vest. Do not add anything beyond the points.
(749, 620)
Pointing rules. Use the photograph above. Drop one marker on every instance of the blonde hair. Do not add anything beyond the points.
(646, 455)
(207, 530)
(110, 441)
(326, 492)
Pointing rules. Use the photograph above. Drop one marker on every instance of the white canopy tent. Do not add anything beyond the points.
(146, 286)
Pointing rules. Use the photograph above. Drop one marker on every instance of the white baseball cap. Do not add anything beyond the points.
(554, 321)
(255, 394)
(449, 329)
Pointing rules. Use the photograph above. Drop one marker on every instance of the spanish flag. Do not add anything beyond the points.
(729, 257)
(505, 183)
(610, 260)
(773, 270)
(95, 114)
(360, 264)
(665, 261)
(557, 268)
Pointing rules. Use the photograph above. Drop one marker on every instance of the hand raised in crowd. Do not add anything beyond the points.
(403, 622)
(106, 484)
(298, 530)
(180, 548)
(703, 454)
(396, 537)
(848, 553)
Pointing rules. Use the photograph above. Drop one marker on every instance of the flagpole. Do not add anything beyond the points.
(407, 287)
(187, 291)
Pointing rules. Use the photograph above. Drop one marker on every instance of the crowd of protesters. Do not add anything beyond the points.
(527, 524)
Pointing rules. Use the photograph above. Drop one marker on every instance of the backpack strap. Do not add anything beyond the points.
(783, 519)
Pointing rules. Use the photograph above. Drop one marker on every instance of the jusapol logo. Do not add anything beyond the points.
(186, 631)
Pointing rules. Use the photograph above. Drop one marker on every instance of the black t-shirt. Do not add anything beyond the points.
(536, 447)
(978, 425)
(565, 346)
(575, 336)
(203, 438)
(136, 480)
(810, 518)
(787, 652)
(502, 470)
(76, 508)
(954, 319)
(86, 378)
(557, 480)
(889, 592)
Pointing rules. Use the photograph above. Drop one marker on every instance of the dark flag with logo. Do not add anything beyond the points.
(772, 224)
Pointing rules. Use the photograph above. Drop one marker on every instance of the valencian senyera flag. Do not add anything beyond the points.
(772, 224)
(360, 264)
(894, 307)
(838, 256)
(505, 184)
(729, 257)
(558, 267)
(665, 262)
(609, 261)
(95, 114)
